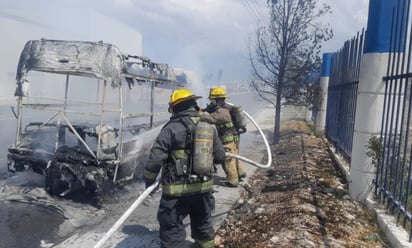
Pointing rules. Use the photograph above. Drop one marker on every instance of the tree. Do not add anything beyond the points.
(285, 56)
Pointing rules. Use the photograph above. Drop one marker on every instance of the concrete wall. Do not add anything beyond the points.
(369, 105)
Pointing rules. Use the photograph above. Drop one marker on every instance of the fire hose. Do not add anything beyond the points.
(269, 162)
(128, 212)
(152, 187)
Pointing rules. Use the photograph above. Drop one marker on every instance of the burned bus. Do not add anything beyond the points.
(83, 110)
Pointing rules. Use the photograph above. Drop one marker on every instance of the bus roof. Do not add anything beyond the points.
(91, 59)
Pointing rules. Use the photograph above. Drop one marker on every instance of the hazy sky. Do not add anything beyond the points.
(206, 36)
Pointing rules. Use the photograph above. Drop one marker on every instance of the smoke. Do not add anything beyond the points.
(8, 131)
(195, 85)
(142, 145)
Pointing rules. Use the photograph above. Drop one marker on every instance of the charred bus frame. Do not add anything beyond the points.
(86, 165)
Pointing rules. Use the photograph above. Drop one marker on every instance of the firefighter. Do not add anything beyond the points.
(183, 192)
(217, 112)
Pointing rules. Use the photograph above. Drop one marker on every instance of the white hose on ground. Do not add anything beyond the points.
(269, 162)
(126, 214)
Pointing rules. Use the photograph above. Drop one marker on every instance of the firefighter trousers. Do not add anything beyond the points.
(172, 211)
(233, 168)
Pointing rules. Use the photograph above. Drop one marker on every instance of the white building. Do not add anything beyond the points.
(60, 23)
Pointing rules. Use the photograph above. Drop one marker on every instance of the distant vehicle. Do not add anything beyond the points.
(81, 107)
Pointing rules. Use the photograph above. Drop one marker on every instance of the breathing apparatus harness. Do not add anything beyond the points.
(226, 130)
(195, 161)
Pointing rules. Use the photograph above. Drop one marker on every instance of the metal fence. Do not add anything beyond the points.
(394, 170)
(342, 93)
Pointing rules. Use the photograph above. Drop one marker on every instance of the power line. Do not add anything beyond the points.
(251, 11)
(252, 8)
(260, 11)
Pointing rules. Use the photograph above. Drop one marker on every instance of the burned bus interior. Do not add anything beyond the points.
(82, 111)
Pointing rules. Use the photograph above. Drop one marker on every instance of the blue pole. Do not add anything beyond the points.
(326, 64)
(378, 33)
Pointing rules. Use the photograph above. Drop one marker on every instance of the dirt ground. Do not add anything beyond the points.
(302, 201)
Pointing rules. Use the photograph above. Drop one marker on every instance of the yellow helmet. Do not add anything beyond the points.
(217, 92)
(181, 95)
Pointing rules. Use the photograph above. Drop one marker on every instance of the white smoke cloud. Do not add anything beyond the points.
(205, 36)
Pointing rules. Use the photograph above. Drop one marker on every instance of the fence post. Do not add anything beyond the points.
(324, 84)
(369, 105)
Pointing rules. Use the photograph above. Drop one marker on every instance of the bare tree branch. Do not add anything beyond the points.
(285, 57)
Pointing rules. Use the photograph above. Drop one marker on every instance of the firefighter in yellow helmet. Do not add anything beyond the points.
(219, 114)
(184, 190)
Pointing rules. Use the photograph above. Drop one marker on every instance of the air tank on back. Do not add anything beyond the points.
(203, 149)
